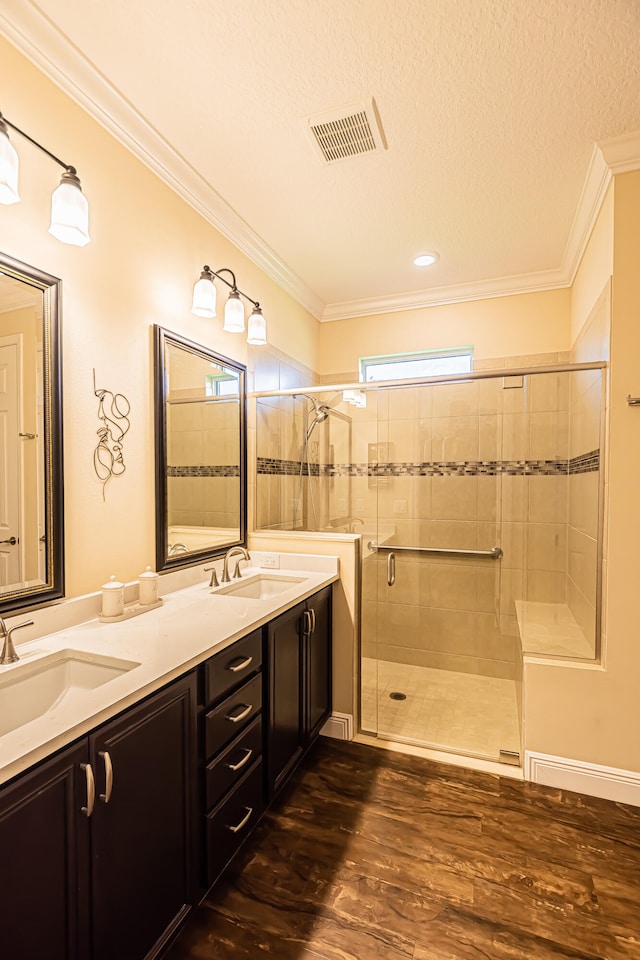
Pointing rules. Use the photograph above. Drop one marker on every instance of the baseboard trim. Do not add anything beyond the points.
(339, 726)
(609, 783)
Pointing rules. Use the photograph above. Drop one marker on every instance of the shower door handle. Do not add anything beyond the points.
(391, 568)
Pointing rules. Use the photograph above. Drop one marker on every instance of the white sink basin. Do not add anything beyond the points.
(260, 587)
(33, 688)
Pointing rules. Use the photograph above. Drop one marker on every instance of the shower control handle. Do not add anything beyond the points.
(391, 568)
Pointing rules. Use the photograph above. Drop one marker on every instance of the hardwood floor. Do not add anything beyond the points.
(371, 854)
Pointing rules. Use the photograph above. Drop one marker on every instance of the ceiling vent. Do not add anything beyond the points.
(346, 132)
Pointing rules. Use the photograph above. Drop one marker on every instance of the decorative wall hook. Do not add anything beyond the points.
(113, 411)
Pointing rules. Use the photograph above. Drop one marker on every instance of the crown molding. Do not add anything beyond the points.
(456, 293)
(40, 41)
(594, 190)
(44, 45)
(609, 157)
(622, 154)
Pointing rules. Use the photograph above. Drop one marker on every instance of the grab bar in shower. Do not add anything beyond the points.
(495, 553)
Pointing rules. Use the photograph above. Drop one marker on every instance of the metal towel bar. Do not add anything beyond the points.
(495, 553)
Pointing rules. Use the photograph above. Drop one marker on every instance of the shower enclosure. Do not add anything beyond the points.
(478, 501)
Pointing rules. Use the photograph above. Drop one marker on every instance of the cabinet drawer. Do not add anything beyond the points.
(232, 666)
(232, 715)
(229, 767)
(229, 824)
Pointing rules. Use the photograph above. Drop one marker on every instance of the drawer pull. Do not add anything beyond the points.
(91, 789)
(108, 772)
(236, 667)
(243, 822)
(241, 763)
(236, 718)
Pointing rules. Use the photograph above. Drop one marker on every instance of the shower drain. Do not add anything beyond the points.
(397, 696)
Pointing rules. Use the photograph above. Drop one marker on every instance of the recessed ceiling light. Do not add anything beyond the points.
(426, 259)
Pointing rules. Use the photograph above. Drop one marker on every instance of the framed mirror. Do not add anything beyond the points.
(201, 452)
(31, 487)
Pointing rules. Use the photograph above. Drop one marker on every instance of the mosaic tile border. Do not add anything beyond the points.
(585, 463)
(224, 470)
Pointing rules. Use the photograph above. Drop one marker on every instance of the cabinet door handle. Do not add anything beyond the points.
(236, 718)
(307, 624)
(91, 789)
(108, 774)
(243, 822)
(235, 667)
(241, 763)
(313, 619)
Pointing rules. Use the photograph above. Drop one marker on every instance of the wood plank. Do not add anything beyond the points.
(370, 854)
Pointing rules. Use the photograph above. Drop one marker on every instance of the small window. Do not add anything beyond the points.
(409, 366)
(224, 383)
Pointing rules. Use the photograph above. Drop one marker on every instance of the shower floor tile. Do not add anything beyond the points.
(443, 709)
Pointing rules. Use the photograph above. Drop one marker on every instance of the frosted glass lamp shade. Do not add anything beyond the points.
(257, 332)
(233, 313)
(70, 212)
(204, 296)
(8, 168)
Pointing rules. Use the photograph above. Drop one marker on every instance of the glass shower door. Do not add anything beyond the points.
(445, 659)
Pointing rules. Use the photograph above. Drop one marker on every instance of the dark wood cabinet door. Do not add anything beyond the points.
(141, 865)
(44, 844)
(318, 680)
(285, 735)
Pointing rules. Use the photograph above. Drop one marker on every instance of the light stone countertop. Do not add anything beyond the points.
(168, 641)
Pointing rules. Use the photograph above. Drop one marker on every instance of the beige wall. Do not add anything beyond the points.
(503, 326)
(148, 247)
(591, 714)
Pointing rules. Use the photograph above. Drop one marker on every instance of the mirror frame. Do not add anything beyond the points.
(164, 563)
(51, 288)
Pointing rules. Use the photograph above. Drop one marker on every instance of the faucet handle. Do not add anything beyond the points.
(213, 582)
(9, 654)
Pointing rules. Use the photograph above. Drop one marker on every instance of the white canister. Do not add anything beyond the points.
(148, 587)
(112, 598)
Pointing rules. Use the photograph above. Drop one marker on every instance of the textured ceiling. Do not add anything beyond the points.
(490, 109)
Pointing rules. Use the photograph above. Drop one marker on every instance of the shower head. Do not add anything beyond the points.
(320, 413)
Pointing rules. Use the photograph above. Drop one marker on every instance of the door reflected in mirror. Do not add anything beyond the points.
(30, 437)
(200, 452)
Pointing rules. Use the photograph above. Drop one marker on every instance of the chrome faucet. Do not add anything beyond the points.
(9, 654)
(232, 553)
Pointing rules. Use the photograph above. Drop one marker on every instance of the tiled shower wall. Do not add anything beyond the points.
(203, 456)
(467, 466)
(587, 400)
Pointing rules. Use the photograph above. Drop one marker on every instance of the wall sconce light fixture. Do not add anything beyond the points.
(204, 305)
(69, 207)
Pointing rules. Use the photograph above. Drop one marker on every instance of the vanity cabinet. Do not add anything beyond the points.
(298, 645)
(44, 844)
(231, 735)
(97, 842)
(141, 835)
